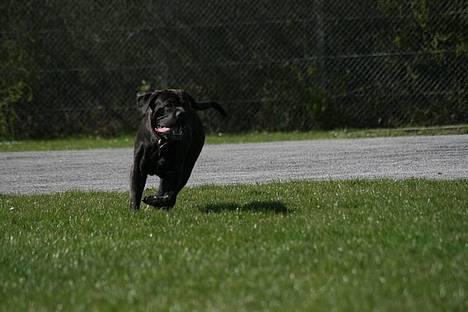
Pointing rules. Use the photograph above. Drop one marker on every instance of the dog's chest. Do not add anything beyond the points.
(150, 160)
(157, 161)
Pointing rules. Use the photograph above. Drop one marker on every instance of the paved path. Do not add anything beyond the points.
(438, 157)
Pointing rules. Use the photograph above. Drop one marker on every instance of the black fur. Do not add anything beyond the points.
(168, 143)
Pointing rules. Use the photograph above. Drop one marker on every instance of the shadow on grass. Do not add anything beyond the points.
(275, 207)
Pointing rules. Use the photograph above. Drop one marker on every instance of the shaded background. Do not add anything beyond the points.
(74, 67)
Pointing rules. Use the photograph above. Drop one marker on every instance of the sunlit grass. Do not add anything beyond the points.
(302, 246)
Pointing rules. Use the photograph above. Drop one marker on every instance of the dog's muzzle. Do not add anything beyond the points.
(169, 128)
(169, 134)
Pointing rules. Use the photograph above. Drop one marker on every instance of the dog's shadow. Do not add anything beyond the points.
(275, 207)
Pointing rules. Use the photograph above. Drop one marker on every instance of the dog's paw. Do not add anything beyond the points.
(153, 200)
(163, 202)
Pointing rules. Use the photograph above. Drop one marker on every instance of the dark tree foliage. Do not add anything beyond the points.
(73, 67)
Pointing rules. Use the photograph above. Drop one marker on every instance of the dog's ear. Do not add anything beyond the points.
(145, 100)
(142, 101)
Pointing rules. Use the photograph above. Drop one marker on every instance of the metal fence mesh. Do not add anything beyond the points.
(73, 67)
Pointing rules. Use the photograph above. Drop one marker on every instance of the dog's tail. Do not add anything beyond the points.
(202, 105)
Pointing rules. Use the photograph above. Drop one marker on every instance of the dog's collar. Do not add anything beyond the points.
(162, 143)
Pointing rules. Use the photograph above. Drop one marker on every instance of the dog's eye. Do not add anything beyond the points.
(160, 111)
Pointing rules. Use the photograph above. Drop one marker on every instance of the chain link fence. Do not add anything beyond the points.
(74, 67)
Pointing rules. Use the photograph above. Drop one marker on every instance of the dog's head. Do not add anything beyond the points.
(167, 111)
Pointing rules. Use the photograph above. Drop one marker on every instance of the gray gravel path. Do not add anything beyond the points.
(435, 157)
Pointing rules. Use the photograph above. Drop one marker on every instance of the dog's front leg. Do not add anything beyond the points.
(137, 183)
(167, 193)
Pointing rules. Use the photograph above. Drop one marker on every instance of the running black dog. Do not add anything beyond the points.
(168, 143)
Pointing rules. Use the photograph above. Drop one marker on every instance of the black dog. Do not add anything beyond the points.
(168, 143)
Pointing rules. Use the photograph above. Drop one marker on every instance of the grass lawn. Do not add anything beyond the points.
(127, 140)
(302, 246)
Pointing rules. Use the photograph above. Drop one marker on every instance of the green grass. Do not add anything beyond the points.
(127, 140)
(302, 246)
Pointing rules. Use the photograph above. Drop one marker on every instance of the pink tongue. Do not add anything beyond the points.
(162, 130)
